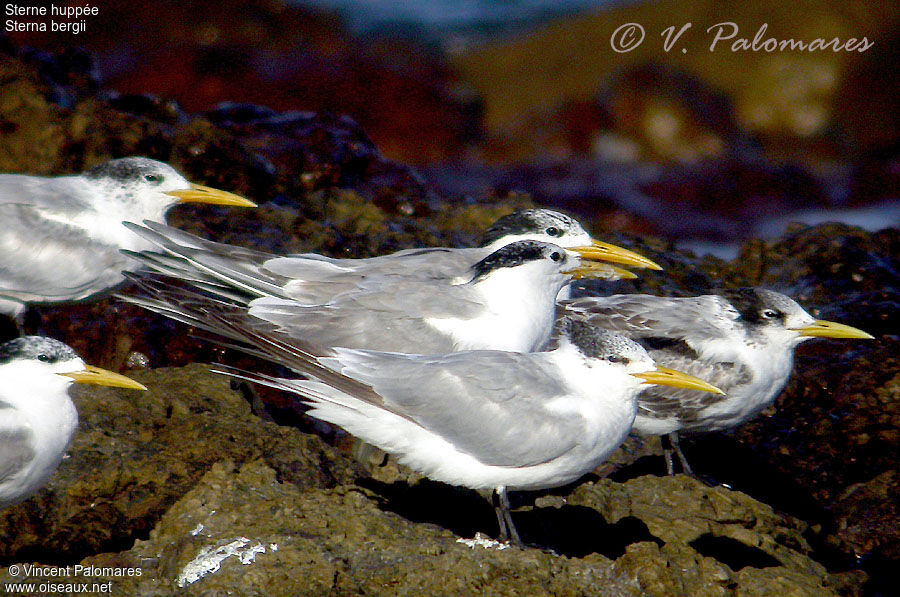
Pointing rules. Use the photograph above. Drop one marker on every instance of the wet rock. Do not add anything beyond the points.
(866, 516)
(137, 453)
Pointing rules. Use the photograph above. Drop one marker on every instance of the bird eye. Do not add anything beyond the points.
(44, 358)
(556, 256)
(614, 358)
(769, 313)
(152, 178)
(553, 231)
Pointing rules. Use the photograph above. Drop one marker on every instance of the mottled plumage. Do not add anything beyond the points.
(740, 340)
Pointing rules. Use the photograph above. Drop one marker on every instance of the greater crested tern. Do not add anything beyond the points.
(37, 417)
(315, 279)
(483, 419)
(61, 236)
(506, 301)
(741, 340)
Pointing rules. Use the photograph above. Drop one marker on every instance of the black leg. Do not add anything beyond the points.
(508, 530)
(671, 445)
(667, 453)
(685, 467)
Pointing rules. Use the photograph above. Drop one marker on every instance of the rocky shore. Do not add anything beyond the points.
(207, 488)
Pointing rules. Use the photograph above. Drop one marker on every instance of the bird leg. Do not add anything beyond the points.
(508, 530)
(670, 444)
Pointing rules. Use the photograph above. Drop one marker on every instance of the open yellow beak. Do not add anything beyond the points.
(600, 251)
(201, 194)
(101, 377)
(831, 329)
(601, 271)
(669, 377)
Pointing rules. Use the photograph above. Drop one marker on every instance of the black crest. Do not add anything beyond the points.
(515, 254)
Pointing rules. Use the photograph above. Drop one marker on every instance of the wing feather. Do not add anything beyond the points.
(642, 315)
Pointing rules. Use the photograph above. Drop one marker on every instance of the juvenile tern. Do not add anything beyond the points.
(483, 419)
(60, 236)
(506, 301)
(741, 340)
(37, 417)
(316, 279)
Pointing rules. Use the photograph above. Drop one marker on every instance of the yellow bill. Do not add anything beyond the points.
(600, 251)
(669, 377)
(101, 377)
(201, 194)
(831, 329)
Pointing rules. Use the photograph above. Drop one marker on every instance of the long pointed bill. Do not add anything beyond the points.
(101, 377)
(601, 271)
(600, 251)
(831, 329)
(669, 377)
(201, 194)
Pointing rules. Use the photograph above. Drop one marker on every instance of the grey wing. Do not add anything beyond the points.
(663, 402)
(215, 266)
(394, 318)
(47, 260)
(643, 316)
(431, 262)
(59, 195)
(15, 443)
(478, 400)
(316, 279)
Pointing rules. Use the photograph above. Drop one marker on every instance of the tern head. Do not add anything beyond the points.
(154, 186)
(538, 261)
(536, 224)
(553, 227)
(625, 357)
(773, 318)
(44, 364)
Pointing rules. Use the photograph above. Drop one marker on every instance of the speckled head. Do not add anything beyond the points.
(37, 348)
(134, 170)
(538, 224)
(758, 306)
(516, 254)
(603, 344)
